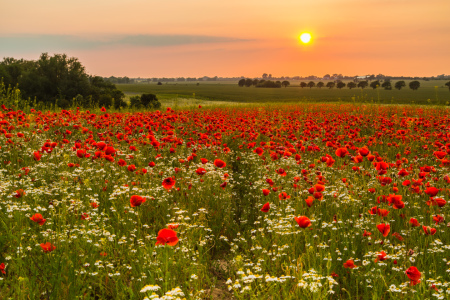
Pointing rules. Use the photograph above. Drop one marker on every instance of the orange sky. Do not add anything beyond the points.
(177, 38)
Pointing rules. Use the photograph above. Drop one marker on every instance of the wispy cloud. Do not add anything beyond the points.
(52, 43)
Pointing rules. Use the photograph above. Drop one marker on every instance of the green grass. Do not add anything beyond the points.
(231, 92)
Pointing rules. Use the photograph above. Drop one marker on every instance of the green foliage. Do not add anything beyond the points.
(386, 85)
(150, 101)
(351, 85)
(330, 85)
(58, 79)
(268, 84)
(303, 84)
(311, 84)
(145, 101)
(363, 84)
(400, 84)
(414, 85)
(241, 82)
(375, 84)
(340, 85)
(285, 83)
(448, 84)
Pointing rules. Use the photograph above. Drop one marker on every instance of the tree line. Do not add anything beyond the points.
(386, 84)
(58, 80)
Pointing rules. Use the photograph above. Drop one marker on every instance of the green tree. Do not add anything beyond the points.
(386, 85)
(375, 84)
(320, 84)
(255, 82)
(414, 85)
(448, 84)
(303, 84)
(241, 82)
(351, 85)
(285, 83)
(311, 84)
(340, 85)
(150, 101)
(363, 84)
(330, 84)
(400, 84)
(248, 82)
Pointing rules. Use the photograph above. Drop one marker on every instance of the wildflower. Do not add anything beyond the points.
(384, 229)
(47, 247)
(349, 264)
(414, 222)
(168, 183)
(136, 200)
(265, 207)
(219, 163)
(414, 275)
(303, 221)
(166, 236)
(38, 219)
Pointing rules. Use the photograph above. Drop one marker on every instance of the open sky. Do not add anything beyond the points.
(175, 38)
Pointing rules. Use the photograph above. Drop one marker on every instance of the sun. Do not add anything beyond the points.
(305, 38)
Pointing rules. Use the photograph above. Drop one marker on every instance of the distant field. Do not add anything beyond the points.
(430, 92)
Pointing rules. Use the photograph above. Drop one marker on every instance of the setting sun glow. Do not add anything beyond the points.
(305, 38)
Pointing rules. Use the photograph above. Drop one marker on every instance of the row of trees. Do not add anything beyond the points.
(387, 85)
(58, 79)
(263, 83)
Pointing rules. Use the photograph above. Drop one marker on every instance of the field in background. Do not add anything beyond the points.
(430, 92)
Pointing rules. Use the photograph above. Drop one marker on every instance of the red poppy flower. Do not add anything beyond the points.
(341, 152)
(367, 233)
(440, 154)
(122, 162)
(413, 275)
(265, 207)
(19, 193)
(151, 164)
(363, 151)
(382, 212)
(349, 264)
(414, 222)
(200, 171)
(168, 183)
(2, 268)
(203, 160)
(266, 192)
(319, 187)
(384, 229)
(431, 191)
(81, 153)
(283, 196)
(303, 221)
(309, 201)
(36, 156)
(281, 172)
(429, 230)
(258, 151)
(166, 237)
(48, 247)
(381, 256)
(38, 218)
(84, 216)
(136, 200)
(131, 168)
(219, 163)
(94, 204)
(436, 202)
(438, 219)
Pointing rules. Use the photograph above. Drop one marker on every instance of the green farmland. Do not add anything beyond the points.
(430, 92)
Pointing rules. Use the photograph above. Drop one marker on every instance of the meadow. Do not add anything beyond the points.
(293, 201)
(431, 92)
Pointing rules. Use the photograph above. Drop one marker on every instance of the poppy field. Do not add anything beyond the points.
(307, 201)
